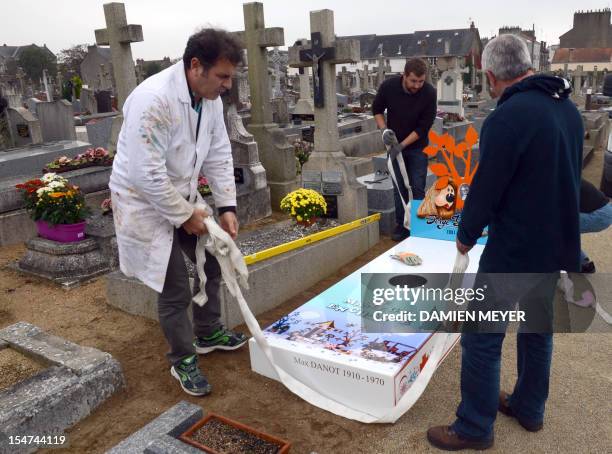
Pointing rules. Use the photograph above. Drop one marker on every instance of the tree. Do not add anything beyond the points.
(34, 59)
(69, 60)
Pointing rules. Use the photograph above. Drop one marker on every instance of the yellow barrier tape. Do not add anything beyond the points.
(282, 248)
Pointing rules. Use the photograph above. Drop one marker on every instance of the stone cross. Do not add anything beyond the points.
(46, 84)
(578, 74)
(595, 79)
(257, 38)
(118, 35)
(344, 51)
(366, 78)
(380, 73)
(20, 79)
(344, 77)
(484, 92)
(276, 62)
(333, 175)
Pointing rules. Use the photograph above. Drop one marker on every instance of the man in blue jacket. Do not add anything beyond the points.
(527, 191)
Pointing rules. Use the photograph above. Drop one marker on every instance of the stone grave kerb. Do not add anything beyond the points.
(119, 35)
(336, 174)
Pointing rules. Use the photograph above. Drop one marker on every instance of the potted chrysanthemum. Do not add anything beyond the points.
(304, 205)
(57, 207)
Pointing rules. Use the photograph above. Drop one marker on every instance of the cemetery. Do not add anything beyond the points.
(82, 352)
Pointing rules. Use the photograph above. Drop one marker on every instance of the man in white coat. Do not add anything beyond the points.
(173, 132)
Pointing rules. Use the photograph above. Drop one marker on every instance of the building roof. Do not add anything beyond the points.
(14, 51)
(425, 43)
(583, 55)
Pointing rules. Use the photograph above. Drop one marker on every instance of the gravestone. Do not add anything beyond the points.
(275, 152)
(380, 71)
(24, 128)
(47, 85)
(365, 80)
(32, 103)
(56, 120)
(253, 194)
(99, 132)
(577, 76)
(484, 93)
(327, 163)
(88, 101)
(345, 86)
(450, 92)
(304, 109)
(103, 101)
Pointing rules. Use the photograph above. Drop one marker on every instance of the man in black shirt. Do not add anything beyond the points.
(410, 103)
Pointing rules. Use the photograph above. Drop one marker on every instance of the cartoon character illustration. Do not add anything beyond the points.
(440, 199)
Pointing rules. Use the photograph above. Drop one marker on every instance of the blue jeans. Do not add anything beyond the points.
(595, 221)
(480, 372)
(416, 167)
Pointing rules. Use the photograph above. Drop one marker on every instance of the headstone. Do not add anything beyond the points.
(99, 132)
(578, 75)
(365, 81)
(485, 94)
(338, 180)
(56, 120)
(304, 109)
(88, 101)
(24, 127)
(595, 79)
(280, 111)
(251, 184)
(32, 103)
(46, 85)
(345, 86)
(450, 92)
(103, 101)
(118, 35)
(380, 71)
(275, 152)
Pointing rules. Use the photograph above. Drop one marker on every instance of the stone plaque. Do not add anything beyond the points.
(332, 188)
(313, 185)
(23, 130)
(331, 177)
(310, 175)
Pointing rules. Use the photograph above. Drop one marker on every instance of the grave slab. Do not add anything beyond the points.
(76, 382)
(158, 435)
(31, 159)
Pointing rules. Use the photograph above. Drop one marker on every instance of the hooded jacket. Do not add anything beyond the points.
(527, 186)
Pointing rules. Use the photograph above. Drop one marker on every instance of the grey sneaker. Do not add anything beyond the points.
(222, 339)
(189, 376)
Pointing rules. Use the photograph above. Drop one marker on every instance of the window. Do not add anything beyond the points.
(456, 33)
(439, 40)
(427, 35)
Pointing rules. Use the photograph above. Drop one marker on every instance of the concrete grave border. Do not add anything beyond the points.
(272, 281)
(76, 382)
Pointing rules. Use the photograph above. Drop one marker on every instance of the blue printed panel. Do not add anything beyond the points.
(434, 227)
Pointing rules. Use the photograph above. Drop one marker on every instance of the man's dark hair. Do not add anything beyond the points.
(209, 45)
(416, 66)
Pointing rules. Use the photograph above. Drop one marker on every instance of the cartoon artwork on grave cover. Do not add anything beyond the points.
(447, 195)
(331, 324)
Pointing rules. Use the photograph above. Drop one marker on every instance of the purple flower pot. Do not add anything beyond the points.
(62, 233)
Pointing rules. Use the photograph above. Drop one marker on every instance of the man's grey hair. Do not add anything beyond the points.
(506, 57)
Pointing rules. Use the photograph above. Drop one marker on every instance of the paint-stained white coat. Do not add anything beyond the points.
(155, 172)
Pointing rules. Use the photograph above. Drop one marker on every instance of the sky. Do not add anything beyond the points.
(167, 24)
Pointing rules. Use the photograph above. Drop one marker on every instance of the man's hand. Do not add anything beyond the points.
(388, 137)
(462, 248)
(195, 224)
(395, 150)
(229, 223)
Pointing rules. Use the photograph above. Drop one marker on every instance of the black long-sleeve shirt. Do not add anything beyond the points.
(406, 112)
